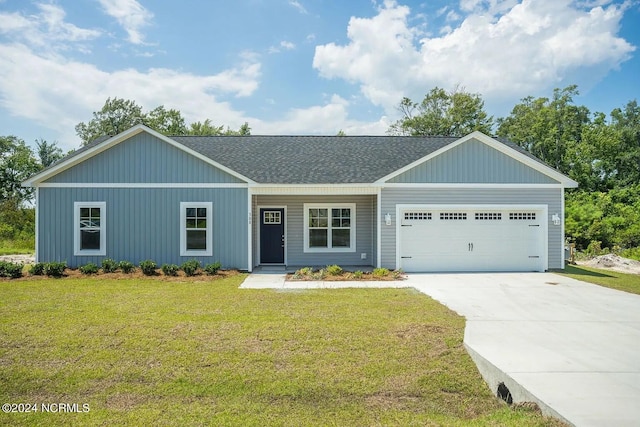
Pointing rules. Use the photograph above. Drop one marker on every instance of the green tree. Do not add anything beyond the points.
(17, 163)
(455, 113)
(545, 127)
(48, 153)
(207, 128)
(117, 115)
(627, 121)
(167, 122)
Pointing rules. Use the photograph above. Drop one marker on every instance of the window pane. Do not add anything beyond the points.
(196, 240)
(323, 222)
(191, 212)
(346, 222)
(202, 223)
(323, 213)
(95, 213)
(89, 240)
(191, 223)
(335, 222)
(84, 212)
(317, 238)
(335, 213)
(341, 238)
(202, 212)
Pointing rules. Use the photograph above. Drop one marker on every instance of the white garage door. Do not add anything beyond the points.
(472, 238)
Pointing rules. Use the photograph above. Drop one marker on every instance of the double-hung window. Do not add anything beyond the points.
(330, 227)
(89, 229)
(195, 229)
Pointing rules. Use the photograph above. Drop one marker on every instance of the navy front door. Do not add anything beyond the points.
(272, 235)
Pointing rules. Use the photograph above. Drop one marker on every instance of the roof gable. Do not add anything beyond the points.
(122, 158)
(478, 158)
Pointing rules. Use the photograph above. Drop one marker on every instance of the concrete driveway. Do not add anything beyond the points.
(572, 347)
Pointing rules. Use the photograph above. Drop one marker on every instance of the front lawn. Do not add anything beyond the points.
(151, 352)
(608, 278)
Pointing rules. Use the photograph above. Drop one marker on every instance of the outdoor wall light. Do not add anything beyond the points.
(387, 219)
(556, 219)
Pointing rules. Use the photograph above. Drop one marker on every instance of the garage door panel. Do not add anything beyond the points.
(471, 239)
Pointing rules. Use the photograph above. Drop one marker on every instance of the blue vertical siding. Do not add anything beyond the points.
(143, 159)
(143, 224)
(365, 230)
(473, 162)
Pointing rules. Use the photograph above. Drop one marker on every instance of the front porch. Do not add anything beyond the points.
(314, 229)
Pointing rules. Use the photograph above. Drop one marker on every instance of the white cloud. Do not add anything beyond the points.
(326, 119)
(296, 4)
(59, 93)
(46, 30)
(499, 49)
(131, 15)
(286, 45)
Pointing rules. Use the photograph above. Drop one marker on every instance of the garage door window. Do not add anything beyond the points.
(329, 228)
(453, 216)
(417, 216)
(488, 216)
(522, 216)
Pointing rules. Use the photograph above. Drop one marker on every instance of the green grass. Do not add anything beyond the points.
(13, 247)
(152, 352)
(610, 279)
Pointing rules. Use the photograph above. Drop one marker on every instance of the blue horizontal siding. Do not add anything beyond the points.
(473, 162)
(143, 224)
(143, 159)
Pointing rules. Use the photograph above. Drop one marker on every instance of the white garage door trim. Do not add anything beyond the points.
(544, 223)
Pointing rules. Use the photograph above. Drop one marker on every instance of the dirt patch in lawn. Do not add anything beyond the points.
(613, 262)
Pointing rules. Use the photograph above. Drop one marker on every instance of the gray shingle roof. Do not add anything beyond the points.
(314, 159)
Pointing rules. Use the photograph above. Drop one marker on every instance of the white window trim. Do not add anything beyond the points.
(330, 206)
(76, 228)
(183, 229)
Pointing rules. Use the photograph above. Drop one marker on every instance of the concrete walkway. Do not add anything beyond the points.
(571, 347)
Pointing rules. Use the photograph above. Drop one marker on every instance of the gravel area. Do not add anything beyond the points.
(613, 262)
(24, 259)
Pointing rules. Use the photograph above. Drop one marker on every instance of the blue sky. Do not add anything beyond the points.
(303, 66)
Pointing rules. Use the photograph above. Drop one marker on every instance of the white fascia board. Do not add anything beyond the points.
(468, 185)
(141, 185)
(123, 136)
(545, 170)
(313, 189)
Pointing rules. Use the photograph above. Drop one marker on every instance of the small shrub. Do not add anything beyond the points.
(169, 269)
(55, 269)
(398, 274)
(190, 267)
(10, 269)
(380, 272)
(334, 270)
(109, 265)
(148, 267)
(358, 274)
(126, 267)
(319, 275)
(305, 271)
(38, 269)
(212, 269)
(89, 268)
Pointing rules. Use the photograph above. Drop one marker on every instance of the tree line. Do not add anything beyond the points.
(600, 151)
